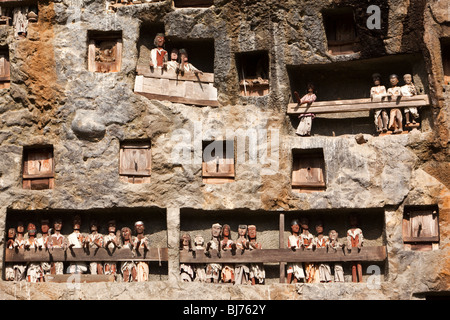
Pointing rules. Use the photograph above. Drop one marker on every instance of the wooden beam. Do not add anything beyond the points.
(285, 255)
(58, 254)
(211, 103)
(281, 245)
(356, 105)
(170, 74)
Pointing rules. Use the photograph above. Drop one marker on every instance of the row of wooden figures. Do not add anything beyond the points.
(302, 238)
(383, 122)
(179, 61)
(239, 273)
(49, 239)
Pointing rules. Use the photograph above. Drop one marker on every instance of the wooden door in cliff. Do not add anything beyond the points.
(4, 70)
(420, 229)
(308, 172)
(135, 162)
(105, 52)
(38, 169)
(218, 162)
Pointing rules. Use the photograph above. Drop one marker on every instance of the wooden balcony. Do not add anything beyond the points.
(286, 255)
(357, 105)
(167, 85)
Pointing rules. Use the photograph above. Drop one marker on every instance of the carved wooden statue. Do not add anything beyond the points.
(199, 268)
(355, 240)
(9, 267)
(335, 245)
(19, 243)
(57, 240)
(111, 242)
(75, 241)
(34, 270)
(295, 269)
(20, 22)
(305, 125)
(307, 242)
(241, 270)
(184, 65)
(377, 93)
(227, 244)
(173, 63)
(409, 90)
(93, 242)
(257, 272)
(186, 270)
(141, 242)
(321, 241)
(395, 116)
(127, 268)
(158, 55)
(213, 269)
(42, 241)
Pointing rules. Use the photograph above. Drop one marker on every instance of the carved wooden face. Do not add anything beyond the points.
(174, 56)
(126, 233)
(186, 240)
(139, 228)
(76, 223)
(20, 228)
(111, 227)
(377, 81)
(333, 235)
(226, 231)
(407, 78)
(199, 241)
(319, 228)
(57, 225)
(11, 233)
(94, 226)
(252, 232)
(304, 223)
(295, 228)
(394, 81)
(106, 51)
(215, 231)
(31, 228)
(160, 41)
(242, 231)
(45, 226)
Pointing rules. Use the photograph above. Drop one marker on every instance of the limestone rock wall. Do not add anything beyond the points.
(54, 99)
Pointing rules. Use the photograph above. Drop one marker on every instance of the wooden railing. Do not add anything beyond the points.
(78, 254)
(356, 105)
(170, 86)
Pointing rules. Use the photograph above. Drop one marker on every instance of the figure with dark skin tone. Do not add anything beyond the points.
(295, 271)
(128, 268)
(111, 242)
(257, 272)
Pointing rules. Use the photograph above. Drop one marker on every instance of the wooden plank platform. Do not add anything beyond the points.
(356, 105)
(58, 254)
(79, 278)
(286, 255)
(167, 85)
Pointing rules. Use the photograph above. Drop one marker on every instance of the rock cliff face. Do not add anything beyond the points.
(54, 100)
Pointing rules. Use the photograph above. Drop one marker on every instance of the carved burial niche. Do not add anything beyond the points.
(253, 71)
(308, 170)
(445, 51)
(104, 51)
(135, 161)
(38, 168)
(421, 228)
(218, 161)
(193, 3)
(4, 68)
(340, 29)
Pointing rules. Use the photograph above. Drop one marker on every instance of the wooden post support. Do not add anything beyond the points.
(281, 245)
